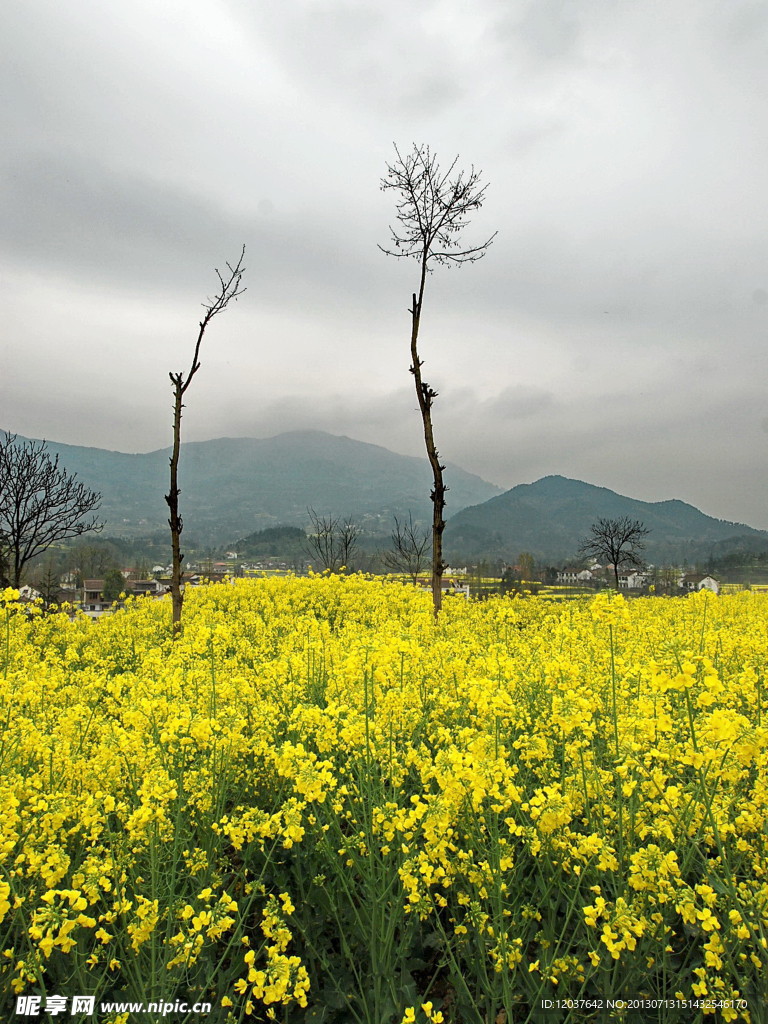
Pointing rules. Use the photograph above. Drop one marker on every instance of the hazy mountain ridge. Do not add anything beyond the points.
(550, 517)
(233, 486)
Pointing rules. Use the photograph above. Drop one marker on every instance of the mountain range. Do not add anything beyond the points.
(231, 487)
(549, 519)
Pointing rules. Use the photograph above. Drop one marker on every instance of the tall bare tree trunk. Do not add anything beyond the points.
(426, 396)
(230, 289)
(172, 498)
(432, 210)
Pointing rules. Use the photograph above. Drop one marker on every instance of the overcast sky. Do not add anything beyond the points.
(616, 331)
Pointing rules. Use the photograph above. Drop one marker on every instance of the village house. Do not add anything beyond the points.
(570, 577)
(699, 581)
(634, 580)
(94, 604)
(574, 577)
(92, 601)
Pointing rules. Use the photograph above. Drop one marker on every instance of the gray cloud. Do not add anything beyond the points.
(391, 60)
(616, 329)
(513, 403)
(93, 223)
(549, 28)
(746, 24)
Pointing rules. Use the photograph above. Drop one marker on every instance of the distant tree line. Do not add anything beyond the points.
(273, 540)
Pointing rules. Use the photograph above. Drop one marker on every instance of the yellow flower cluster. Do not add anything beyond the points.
(285, 979)
(531, 799)
(53, 923)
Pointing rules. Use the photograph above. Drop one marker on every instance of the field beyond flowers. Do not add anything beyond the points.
(321, 806)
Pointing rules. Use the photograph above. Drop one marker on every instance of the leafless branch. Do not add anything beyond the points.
(229, 290)
(434, 209)
(332, 541)
(410, 549)
(619, 541)
(40, 504)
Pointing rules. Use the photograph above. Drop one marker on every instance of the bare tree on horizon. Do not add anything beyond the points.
(229, 289)
(619, 541)
(432, 210)
(332, 541)
(40, 504)
(408, 553)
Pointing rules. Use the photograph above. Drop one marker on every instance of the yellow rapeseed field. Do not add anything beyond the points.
(319, 805)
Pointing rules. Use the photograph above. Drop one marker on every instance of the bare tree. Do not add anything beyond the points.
(410, 549)
(432, 210)
(229, 289)
(47, 582)
(619, 541)
(40, 504)
(349, 533)
(332, 541)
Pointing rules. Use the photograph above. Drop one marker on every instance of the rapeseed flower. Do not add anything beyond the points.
(317, 773)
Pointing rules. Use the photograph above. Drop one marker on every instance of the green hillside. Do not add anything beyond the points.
(231, 487)
(551, 516)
